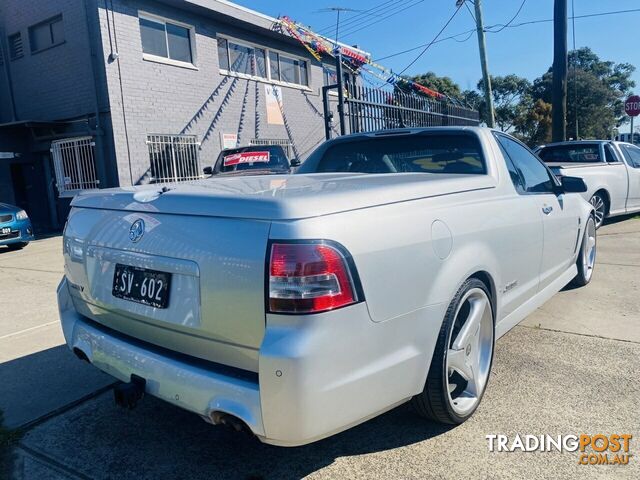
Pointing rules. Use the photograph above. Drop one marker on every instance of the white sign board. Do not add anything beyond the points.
(7, 155)
(229, 140)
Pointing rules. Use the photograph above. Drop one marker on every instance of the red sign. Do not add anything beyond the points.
(632, 106)
(246, 157)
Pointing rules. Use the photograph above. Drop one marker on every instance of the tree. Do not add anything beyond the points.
(533, 126)
(509, 98)
(602, 87)
(443, 85)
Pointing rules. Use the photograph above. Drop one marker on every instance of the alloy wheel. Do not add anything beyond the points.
(589, 250)
(600, 209)
(470, 351)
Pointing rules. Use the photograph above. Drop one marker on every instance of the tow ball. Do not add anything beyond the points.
(127, 395)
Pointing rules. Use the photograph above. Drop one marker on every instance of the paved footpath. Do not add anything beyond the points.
(571, 367)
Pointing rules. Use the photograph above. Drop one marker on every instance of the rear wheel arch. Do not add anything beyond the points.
(601, 201)
(606, 196)
(486, 278)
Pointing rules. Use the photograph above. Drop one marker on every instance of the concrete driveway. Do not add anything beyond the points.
(572, 367)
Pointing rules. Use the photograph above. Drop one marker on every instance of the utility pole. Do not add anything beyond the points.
(560, 67)
(488, 93)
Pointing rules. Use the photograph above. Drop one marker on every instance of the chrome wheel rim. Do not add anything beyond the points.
(589, 249)
(470, 351)
(600, 209)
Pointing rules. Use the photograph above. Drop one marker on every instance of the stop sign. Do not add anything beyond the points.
(632, 106)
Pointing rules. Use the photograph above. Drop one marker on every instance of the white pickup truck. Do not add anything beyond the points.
(611, 171)
(296, 306)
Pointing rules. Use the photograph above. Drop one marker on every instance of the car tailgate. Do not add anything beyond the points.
(215, 308)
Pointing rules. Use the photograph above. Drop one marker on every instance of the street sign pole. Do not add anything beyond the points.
(632, 143)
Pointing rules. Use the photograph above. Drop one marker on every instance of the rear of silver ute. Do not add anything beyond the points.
(212, 315)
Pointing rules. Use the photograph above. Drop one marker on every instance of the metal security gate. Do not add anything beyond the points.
(284, 143)
(369, 109)
(74, 164)
(174, 158)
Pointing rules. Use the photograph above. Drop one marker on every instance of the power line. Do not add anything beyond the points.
(352, 31)
(531, 22)
(358, 18)
(513, 18)
(432, 41)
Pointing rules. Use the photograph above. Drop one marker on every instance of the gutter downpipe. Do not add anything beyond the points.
(100, 157)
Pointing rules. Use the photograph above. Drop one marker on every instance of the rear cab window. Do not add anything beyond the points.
(414, 153)
(583, 153)
(258, 157)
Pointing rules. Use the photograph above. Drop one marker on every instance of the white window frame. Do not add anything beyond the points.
(193, 65)
(267, 50)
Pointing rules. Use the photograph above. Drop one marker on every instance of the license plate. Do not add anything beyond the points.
(141, 285)
(6, 230)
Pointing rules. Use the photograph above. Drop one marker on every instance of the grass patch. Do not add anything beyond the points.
(8, 438)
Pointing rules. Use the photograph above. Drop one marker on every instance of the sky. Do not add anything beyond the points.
(525, 50)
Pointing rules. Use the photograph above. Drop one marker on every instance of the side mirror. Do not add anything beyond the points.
(207, 170)
(573, 185)
(295, 162)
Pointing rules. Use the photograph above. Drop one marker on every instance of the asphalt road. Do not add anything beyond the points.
(572, 367)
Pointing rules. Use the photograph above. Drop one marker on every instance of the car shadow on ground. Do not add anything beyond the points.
(159, 440)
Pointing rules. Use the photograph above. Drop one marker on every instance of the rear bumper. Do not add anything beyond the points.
(184, 384)
(318, 375)
(21, 231)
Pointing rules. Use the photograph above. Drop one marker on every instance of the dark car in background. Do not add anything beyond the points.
(15, 227)
(252, 160)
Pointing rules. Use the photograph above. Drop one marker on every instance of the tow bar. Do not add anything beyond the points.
(126, 395)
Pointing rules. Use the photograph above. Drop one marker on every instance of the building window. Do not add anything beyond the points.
(173, 158)
(262, 63)
(46, 34)
(167, 40)
(15, 46)
(74, 165)
(288, 69)
(240, 58)
(330, 77)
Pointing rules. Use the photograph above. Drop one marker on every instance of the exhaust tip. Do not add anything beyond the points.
(230, 421)
(81, 355)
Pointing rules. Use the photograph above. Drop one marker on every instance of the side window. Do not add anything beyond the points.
(517, 180)
(632, 154)
(609, 155)
(534, 174)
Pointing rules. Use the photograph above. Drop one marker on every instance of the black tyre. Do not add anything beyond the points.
(462, 359)
(586, 261)
(601, 208)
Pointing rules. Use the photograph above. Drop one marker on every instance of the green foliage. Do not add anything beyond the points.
(523, 108)
(510, 98)
(440, 84)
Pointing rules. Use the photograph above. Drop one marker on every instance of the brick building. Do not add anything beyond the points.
(100, 93)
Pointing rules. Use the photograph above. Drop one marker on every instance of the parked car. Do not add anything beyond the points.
(297, 306)
(611, 171)
(252, 160)
(15, 227)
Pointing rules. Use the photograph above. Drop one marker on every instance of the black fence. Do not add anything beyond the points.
(368, 109)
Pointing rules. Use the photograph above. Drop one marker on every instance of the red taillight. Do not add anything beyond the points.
(308, 278)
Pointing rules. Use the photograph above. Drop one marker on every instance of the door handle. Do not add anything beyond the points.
(547, 209)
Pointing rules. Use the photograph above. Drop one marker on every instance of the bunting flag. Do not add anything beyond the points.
(353, 59)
